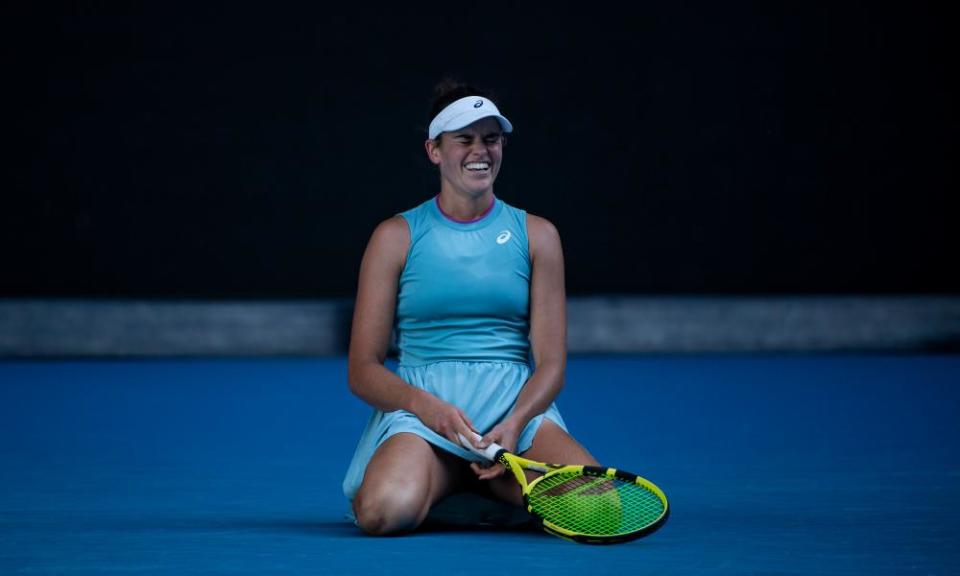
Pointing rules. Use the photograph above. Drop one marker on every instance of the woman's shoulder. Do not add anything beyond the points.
(393, 229)
(542, 234)
(541, 227)
(390, 238)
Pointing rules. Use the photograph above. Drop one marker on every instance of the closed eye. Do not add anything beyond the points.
(488, 140)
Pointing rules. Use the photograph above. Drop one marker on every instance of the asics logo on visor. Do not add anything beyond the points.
(478, 104)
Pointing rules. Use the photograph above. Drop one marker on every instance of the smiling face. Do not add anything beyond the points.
(469, 158)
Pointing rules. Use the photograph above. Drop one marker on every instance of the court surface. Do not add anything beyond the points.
(773, 465)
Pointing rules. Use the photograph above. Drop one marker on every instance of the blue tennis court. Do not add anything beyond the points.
(793, 464)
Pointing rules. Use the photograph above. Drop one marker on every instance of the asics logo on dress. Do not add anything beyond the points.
(503, 237)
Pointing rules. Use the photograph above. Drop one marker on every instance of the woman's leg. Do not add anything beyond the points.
(404, 478)
(551, 444)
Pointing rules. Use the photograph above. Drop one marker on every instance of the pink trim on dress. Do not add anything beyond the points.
(452, 219)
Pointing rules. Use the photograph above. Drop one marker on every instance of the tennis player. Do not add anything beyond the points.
(473, 286)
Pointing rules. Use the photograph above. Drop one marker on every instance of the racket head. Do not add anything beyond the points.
(596, 505)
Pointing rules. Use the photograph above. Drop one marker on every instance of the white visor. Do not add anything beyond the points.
(464, 112)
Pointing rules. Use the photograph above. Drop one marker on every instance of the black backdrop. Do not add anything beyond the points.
(248, 152)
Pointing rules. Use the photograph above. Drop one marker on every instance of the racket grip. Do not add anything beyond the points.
(489, 453)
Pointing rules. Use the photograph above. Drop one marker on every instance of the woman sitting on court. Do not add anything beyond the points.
(473, 286)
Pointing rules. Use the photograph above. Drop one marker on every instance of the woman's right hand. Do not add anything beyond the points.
(443, 418)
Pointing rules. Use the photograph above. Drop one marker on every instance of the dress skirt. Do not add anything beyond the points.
(485, 391)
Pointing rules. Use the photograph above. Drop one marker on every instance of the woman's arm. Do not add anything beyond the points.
(548, 337)
(373, 315)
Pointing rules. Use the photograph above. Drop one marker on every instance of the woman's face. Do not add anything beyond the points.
(469, 158)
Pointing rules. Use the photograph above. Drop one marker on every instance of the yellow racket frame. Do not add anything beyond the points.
(518, 464)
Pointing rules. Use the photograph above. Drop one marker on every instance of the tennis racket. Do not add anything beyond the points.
(589, 504)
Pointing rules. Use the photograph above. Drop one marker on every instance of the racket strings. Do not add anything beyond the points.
(595, 506)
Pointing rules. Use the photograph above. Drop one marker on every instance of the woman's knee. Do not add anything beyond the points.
(390, 510)
(403, 479)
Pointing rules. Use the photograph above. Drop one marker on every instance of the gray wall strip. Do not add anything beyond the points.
(628, 324)
(740, 324)
(158, 328)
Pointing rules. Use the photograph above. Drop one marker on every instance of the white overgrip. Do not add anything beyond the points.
(489, 453)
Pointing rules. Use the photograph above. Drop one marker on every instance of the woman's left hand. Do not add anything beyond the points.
(504, 434)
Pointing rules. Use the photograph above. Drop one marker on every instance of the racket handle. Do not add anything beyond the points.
(489, 453)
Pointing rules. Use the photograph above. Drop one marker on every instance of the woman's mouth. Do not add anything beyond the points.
(477, 166)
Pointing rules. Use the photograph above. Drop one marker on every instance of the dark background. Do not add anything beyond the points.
(230, 152)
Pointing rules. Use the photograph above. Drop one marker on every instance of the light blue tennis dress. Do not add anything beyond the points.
(462, 324)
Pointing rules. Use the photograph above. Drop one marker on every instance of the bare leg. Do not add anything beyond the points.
(551, 444)
(405, 477)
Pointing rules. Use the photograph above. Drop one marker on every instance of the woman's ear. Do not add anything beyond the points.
(432, 147)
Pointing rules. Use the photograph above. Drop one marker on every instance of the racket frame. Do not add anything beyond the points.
(517, 464)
